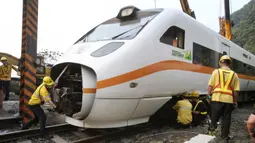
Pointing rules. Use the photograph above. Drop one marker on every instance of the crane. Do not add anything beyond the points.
(186, 8)
(225, 22)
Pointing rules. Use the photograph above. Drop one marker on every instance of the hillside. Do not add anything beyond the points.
(244, 28)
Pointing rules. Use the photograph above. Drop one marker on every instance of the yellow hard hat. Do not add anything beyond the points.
(3, 59)
(48, 81)
(195, 94)
(225, 57)
(186, 94)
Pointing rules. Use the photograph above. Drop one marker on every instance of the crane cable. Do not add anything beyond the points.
(230, 3)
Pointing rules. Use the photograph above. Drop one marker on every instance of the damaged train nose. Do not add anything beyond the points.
(75, 91)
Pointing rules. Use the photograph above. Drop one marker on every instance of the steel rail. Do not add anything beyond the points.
(9, 121)
(34, 132)
(117, 133)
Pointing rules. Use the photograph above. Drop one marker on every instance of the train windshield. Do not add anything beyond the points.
(115, 29)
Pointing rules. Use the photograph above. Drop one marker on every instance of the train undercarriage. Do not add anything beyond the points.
(68, 92)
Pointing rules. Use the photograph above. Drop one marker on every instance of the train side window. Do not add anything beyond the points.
(174, 36)
(204, 56)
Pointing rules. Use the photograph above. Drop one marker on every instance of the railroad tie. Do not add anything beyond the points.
(58, 139)
(25, 141)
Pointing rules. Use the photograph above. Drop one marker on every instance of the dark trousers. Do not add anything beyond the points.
(5, 85)
(198, 119)
(221, 109)
(181, 126)
(39, 115)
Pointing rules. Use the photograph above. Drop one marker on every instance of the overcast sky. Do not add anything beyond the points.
(62, 22)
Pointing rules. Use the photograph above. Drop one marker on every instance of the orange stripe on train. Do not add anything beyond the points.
(89, 90)
(160, 66)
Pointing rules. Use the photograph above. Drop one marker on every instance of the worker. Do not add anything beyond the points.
(251, 125)
(199, 110)
(224, 86)
(184, 109)
(39, 97)
(5, 76)
(1, 89)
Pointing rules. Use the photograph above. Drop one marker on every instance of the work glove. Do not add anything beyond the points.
(208, 99)
(196, 112)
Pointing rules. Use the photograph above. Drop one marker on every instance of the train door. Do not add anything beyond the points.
(225, 49)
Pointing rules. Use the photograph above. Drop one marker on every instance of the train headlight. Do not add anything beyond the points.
(126, 12)
(107, 49)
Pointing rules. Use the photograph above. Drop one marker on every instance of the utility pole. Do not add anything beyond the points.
(28, 56)
(155, 4)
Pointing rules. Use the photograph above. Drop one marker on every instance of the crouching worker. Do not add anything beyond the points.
(199, 112)
(184, 109)
(39, 97)
(251, 126)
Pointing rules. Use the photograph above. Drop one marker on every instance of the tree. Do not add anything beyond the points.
(50, 57)
(244, 29)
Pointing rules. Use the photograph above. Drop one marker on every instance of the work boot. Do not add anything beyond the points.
(23, 127)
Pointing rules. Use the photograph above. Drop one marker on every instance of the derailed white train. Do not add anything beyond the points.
(125, 69)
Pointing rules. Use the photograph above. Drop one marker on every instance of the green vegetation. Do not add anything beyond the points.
(244, 28)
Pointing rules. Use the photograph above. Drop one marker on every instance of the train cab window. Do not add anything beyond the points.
(174, 36)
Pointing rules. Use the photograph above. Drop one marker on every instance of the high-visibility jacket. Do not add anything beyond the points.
(184, 108)
(200, 103)
(251, 125)
(40, 95)
(5, 72)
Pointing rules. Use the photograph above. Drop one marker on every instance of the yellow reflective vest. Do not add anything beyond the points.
(195, 108)
(224, 81)
(5, 72)
(224, 87)
(184, 108)
(40, 95)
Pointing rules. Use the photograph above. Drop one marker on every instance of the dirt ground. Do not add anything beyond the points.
(169, 135)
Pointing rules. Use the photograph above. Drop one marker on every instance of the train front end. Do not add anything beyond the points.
(96, 56)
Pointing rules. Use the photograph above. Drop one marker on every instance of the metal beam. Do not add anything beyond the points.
(28, 56)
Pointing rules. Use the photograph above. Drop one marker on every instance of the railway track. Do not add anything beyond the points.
(88, 135)
(117, 133)
(11, 136)
(9, 121)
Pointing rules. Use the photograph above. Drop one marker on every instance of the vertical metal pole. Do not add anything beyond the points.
(155, 3)
(28, 56)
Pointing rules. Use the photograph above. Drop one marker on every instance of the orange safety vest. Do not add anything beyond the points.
(224, 87)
